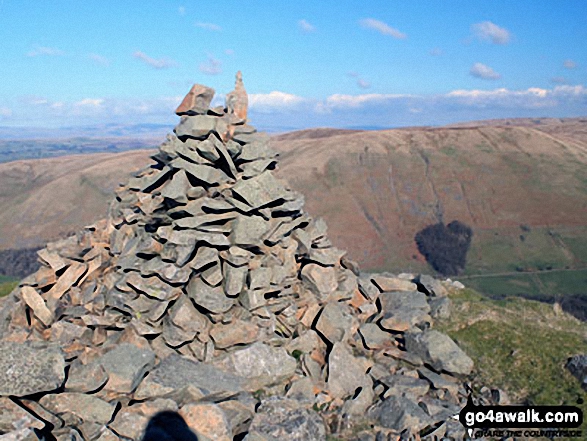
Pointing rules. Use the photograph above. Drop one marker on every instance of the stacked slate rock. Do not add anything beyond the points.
(209, 291)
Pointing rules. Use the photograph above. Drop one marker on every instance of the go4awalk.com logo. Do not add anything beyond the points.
(521, 421)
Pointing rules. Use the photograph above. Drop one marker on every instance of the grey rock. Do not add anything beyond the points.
(203, 172)
(577, 366)
(367, 288)
(404, 319)
(401, 413)
(322, 281)
(234, 279)
(249, 231)
(260, 278)
(334, 322)
(374, 337)
(346, 373)
(176, 189)
(126, 365)
(440, 308)
(85, 378)
(260, 190)
(13, 417)
(438, 381)
(204, 256)
(130, 425)
(176, 373)
(430, 286)
(88, 408)
(440, 351)
(404, 385)
(286, 419)
(262, 365)
(211, 298)
(197, 127)
(237, 332)
(256, 150)
(183, 322)
(213, 275)
(392, 301)
(30, 367)
(252, 300)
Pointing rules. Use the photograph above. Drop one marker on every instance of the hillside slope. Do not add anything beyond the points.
(375, 189)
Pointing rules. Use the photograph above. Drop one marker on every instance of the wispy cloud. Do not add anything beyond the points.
(181, 10)
(488, 31)
(274, 101)
(5, 112)
(44, 50)
(208, 26)
(161, 63)
(480, 70)
(382, 28)
(306, 27)
(229, 52)
(361, 82)
(570, 64)
(99, 59)
(559, 80)
(211, 67)
(90, 102)
(436, 52)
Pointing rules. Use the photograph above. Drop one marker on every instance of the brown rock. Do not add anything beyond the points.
(34, 300)
(207, 420)
(387, 284)
(238, 332)
(197, 101)
(237, 100)
(322, 280)
(67, 280)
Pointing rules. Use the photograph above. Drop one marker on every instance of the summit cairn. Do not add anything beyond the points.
(208, 290)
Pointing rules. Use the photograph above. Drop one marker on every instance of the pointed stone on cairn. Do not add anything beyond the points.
(207, 288)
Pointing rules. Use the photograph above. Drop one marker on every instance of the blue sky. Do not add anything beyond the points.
(305, 63)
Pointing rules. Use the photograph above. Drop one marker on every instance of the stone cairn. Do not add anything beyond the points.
(209, 291)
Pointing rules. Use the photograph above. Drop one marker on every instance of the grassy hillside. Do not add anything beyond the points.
(520, 346)
(522, 189)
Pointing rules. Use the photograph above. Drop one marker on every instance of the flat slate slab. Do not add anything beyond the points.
(30, 367)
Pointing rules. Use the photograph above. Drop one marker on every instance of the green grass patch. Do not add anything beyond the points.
(577, 245)
(497, 287)
(561, 283)
(520, 346)
(539, 250)
(449, 150)
(7, 284)
(492, 252)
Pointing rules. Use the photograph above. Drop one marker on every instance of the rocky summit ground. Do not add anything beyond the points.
(208, 290)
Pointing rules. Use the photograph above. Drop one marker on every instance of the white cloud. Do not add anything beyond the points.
(363, 84)
(569, 64)
(43, 50)
(306, 27)
(342, 101)
(211, 67)
(480, 70)
(382, 28)
(489, 31)
(559, 80)
(208, 26)
(181, 10)
(90, 102)
(274, 100)
(162, 63)
(99, 59)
